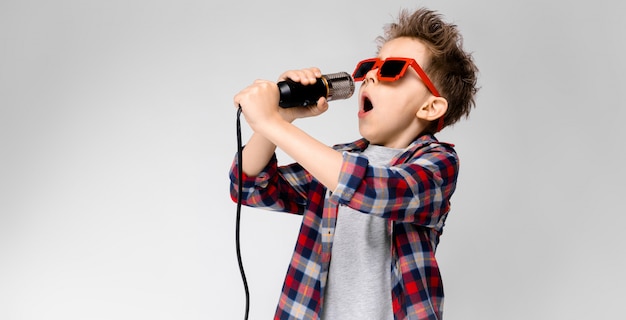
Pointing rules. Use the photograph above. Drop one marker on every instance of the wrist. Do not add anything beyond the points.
(287, 114)
(270, 124)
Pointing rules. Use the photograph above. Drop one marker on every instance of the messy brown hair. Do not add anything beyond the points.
(451, 69)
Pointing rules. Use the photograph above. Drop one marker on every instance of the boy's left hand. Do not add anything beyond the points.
(305, 77)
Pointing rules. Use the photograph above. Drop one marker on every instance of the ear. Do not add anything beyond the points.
(433, 109)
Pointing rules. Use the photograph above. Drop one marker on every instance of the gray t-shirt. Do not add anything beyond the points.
(359, 278)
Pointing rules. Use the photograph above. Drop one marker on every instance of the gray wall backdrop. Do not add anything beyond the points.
(117, 130)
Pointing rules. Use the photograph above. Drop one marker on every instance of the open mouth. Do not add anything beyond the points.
(367, 104)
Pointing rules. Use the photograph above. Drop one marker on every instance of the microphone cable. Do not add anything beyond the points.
(332, 86)
(238, 218)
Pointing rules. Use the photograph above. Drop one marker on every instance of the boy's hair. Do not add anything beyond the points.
(451, 69)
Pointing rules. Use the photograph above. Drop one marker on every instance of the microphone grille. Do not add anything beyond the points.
(340, 85)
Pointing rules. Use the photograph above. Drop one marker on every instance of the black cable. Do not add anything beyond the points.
(240, 191)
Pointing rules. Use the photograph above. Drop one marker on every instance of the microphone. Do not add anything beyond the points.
(333, 86)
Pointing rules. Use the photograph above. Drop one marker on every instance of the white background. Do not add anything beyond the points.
(117, 130)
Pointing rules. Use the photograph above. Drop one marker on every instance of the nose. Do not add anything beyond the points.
(371, 75)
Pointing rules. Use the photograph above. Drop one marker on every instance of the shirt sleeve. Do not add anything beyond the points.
(274, 188)
(417, 191)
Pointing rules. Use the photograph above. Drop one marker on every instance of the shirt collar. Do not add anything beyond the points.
(361, 144)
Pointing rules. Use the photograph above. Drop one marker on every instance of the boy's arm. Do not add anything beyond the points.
(276, 188)
(273, 128)
(323, 162)
(320, 160)
(417, 191)
(256, 154)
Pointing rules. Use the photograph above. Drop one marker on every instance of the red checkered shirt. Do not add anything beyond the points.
(413, 194)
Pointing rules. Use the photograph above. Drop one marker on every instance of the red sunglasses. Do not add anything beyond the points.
(391, 69)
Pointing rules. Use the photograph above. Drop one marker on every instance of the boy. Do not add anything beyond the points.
(373, 210)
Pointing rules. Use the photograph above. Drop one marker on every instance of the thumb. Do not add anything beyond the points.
(305, 112)
(320, 107)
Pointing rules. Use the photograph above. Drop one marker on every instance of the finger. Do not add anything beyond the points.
(310, 75)
(322, 103)
(317, 73)
(320, 107)
(290, 74)
(304, 76)
(241, 96)
(237, 100)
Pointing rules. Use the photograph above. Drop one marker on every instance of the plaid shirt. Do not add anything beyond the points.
(413, 194)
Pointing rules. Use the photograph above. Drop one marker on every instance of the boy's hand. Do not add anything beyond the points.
(259, 101)
(306, 77)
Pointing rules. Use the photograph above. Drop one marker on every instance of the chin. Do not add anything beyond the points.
(367, 136)
(363, 131)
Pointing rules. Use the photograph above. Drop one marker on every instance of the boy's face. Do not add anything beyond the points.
(388, 111)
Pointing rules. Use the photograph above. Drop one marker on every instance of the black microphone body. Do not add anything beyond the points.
(333, 86)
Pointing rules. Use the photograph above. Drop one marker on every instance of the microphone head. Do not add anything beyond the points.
(340, 85)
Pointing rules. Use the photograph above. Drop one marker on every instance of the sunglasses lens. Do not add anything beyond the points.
(362, 69)
(392, 68)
